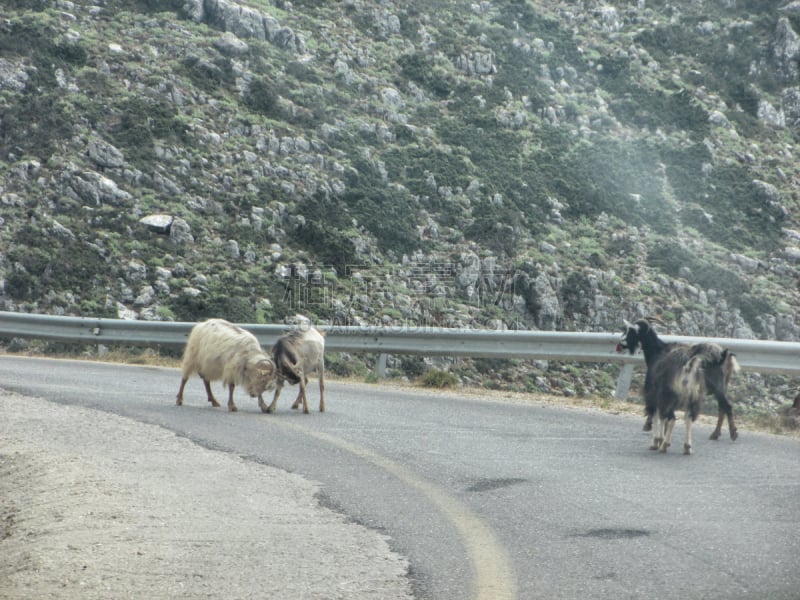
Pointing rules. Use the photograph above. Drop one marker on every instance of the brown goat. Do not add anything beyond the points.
(295, 355)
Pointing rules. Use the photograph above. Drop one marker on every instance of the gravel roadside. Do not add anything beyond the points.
(93, 505)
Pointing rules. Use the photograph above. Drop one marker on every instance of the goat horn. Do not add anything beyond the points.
(653, 319)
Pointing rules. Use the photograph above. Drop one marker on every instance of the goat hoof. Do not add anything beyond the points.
(214, 403)
(663, 448)
(714, 435)
(687, 449)
(179, 402)
(647, 427)
(734, 435)
(232, 408)
(653, 447)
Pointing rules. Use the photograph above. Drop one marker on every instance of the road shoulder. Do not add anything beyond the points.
(94, 505)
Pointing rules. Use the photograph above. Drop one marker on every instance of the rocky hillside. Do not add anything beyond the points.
(506, 163)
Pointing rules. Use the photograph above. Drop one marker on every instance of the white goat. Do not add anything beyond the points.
(217, 349)
(296, 355)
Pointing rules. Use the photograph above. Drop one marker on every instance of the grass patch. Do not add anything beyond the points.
(439, 379)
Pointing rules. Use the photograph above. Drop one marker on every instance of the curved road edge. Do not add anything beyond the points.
(94, 505)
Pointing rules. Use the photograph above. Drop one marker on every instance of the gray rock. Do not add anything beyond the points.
(786, 50)
(748, 265)
(792, 254)
(480, 62)
(60, 231)
(13, 76)
(125, 313)
(771, 197)
(770, 115)
(232, 249)
(230, 45)
(158, 223)
(180, 232)
(104, 154)
(93, 188)
(146, 296)
(468, 270)
(549, 316)
(135, 271)
(244, 22)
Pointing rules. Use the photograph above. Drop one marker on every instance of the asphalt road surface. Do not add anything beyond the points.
(489, 499)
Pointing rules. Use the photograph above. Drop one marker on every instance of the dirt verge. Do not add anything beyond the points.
(94, 505)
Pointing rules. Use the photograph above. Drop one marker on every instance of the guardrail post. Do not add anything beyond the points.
(624, 381)
(382, 366)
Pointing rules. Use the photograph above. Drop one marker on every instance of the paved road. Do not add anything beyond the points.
(494, 499)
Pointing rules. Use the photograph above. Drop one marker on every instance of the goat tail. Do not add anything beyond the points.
(730, 363)
(287, 368)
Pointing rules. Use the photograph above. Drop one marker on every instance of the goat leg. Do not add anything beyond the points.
(211, 398)
(179, 399)
(725, 409)
(303, 381)
(687, 444)
(666, 442)
(658, 432)
(278, 388)
(718, 430)
(322, 388)
(298, 399)
(731, 427)
(231, 405)
(648, 423)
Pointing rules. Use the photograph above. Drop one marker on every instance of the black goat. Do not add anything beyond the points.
(641, 333)
(680, 380)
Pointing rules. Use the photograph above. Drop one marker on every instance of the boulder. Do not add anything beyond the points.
(158, 223)
(104, 154)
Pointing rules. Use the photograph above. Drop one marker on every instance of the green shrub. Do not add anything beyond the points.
(421, 68)
(412, 366)
(439, 379)
(345, 365)
(262, 98)
(212, 304)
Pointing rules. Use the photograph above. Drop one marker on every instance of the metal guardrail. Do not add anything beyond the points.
(753, 355)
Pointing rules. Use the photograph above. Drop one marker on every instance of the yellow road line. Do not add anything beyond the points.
(492, 569)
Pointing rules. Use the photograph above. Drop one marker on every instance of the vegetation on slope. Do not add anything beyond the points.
(502, 163)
